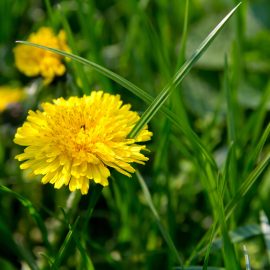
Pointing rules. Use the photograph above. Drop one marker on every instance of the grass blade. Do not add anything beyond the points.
(32, 211)
(78, 69)
(50, 13)
(179, 76)
(164, 232)
(256, 122)
(96, 192)
(60, 255)
(102, 70)
(13, 248)
(86, 259)
(232, 138)
(206, 258)
(239, 234)
(143, 95)
(177, 96)
(182, 51)
(216, 199)
(256, 152)
(242, 191)
(246, 185)
(227, 171)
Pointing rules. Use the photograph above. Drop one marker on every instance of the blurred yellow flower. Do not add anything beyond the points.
(74, 141)
(9, 95)
(34, 61)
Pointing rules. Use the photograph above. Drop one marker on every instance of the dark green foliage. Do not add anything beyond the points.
(203, 197)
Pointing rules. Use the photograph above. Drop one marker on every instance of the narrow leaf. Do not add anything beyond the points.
(246, 185)
(232, 138)
(78, 69)
(238, 235)
(179, 76)
(32, 211)
(255, 153)
(163, 231)
(143, 95)
(102, 70)
(60, 255)
(182, 51)
(208, 250)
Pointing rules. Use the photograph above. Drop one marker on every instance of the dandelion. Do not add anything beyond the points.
(9, 95)
(74, 141)
(34, 61)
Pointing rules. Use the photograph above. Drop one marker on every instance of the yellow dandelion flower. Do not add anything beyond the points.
(34, 61)
(9, 95)
(74, 141)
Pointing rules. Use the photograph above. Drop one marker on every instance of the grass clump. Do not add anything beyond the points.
(201, 201)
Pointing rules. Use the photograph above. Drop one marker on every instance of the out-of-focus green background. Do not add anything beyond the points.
(143, 42)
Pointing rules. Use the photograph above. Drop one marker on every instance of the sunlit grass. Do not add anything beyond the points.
(201, 201)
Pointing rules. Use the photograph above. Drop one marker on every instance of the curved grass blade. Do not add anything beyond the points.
(243, 189)
(255, 153)
(206, 257)
(246, 185)
(229, 255)
(143, 95)
(179, 76)
(238, 235)
(104, 71)
(33, 212)
(259, 118)
(164, 232)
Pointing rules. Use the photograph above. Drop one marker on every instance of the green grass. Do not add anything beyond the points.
(201, 202)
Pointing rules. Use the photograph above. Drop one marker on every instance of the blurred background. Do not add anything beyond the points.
(143, 42)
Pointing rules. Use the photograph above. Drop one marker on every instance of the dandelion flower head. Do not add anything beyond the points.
(34, 61)
(9, 95)
(75, 141)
